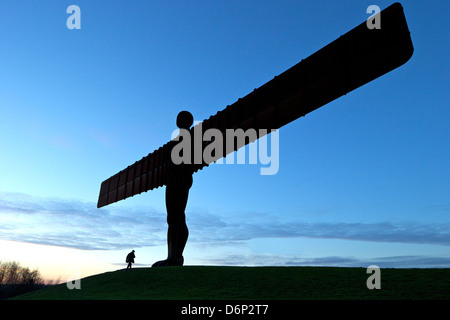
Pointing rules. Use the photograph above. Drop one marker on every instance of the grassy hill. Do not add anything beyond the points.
(248, 283)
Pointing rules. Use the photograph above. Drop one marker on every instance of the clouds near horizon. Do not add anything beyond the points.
(78, 224)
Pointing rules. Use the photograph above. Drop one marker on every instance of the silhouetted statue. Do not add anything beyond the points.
(352, 60)
(130, 260)
(179, 182)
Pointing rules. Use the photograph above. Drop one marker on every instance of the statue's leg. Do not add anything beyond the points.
(177, 234)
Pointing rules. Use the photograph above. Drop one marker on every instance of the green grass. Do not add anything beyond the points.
(260, 283)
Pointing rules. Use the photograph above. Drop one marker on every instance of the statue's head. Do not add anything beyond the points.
(185, 120)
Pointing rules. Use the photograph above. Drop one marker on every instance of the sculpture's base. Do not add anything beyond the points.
(169, 262)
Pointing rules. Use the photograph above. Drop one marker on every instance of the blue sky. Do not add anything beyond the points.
(363, 180)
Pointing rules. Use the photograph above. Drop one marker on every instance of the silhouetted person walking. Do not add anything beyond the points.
(179, 181)
(130, 260)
